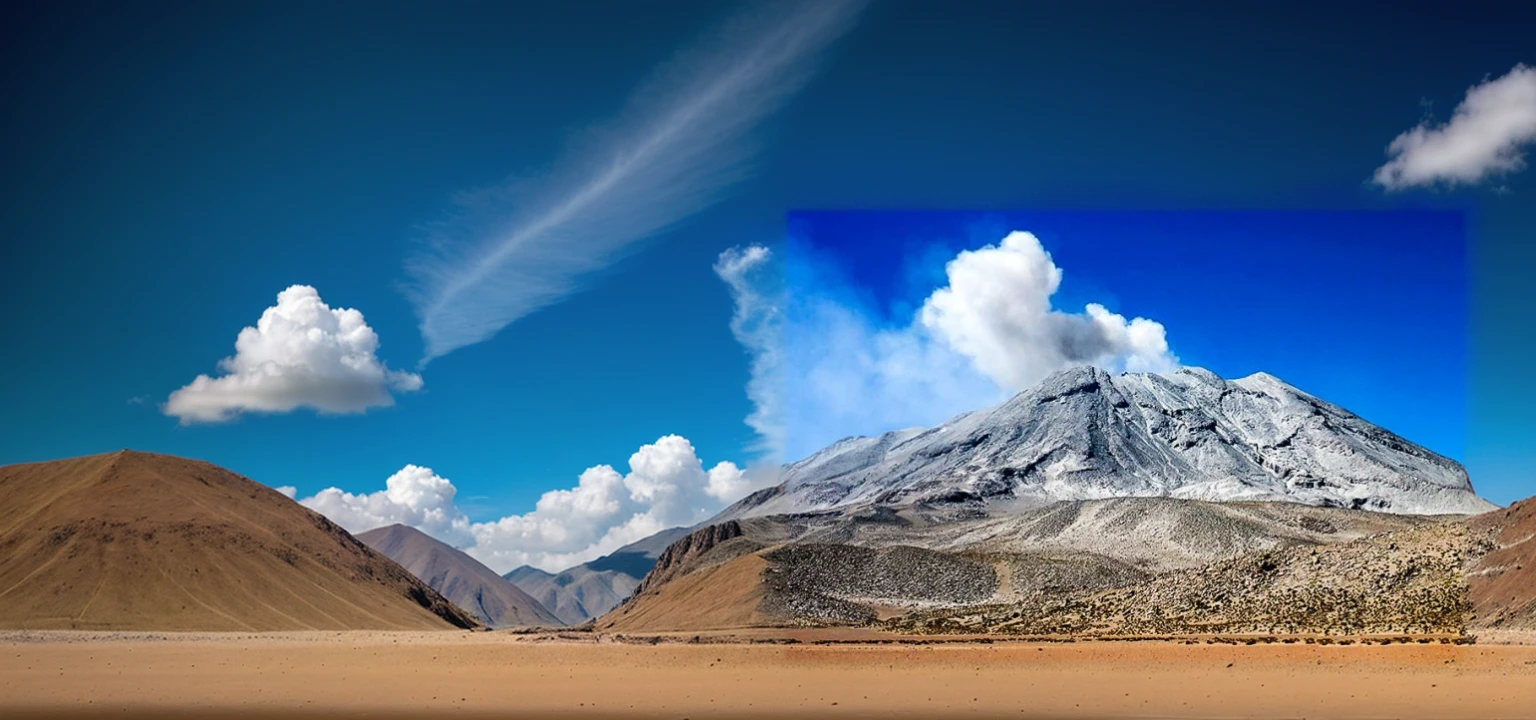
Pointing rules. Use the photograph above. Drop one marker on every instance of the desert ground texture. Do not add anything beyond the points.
(438, 673)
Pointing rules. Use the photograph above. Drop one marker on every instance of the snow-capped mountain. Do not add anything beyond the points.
(1083, 434)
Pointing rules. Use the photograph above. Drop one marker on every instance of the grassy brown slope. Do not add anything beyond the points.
(138, 541)
(1503, 582)
(725, 596)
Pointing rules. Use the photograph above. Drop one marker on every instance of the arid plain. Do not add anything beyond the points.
(420, 674)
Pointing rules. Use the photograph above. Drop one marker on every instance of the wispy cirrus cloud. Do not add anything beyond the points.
(682, 143)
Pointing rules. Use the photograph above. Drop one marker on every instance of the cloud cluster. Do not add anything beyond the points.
(302, 353)
(683, 142)
(666, 486)
(1484, 138)
(991, 330)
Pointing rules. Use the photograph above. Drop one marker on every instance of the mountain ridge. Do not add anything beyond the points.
(1082, 434)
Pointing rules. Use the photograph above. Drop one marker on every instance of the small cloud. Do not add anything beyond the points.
(1485, 137)
(288, 490)
(302, 353)
(138, 400)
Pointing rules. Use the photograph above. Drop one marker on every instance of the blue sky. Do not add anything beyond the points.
(170, 167)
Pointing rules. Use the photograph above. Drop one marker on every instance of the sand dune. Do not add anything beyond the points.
(133, 540)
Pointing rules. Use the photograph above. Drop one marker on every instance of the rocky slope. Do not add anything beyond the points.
(1503, 582)
(1115, 567)
(460, 578)
(834, 568)
(1406, 583)
(1083, 434)
(138, 541)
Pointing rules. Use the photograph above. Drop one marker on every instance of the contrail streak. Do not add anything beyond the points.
(683, 142)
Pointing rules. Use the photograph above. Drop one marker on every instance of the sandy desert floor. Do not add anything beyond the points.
(376, 674)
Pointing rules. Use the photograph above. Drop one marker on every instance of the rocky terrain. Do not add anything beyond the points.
(1124, 567)
(1083, 434)
(461, 579)
(1407, 583)
(138, 541)
(856, 569)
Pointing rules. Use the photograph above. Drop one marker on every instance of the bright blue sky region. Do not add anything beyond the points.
(1365, 309)
(170, 167)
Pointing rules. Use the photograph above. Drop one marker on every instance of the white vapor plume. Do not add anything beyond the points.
(1484, 138)
(682, 143)
(756, 286)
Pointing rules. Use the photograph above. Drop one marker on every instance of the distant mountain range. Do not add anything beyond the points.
(1083, 434)
(462, 579)
(589, 590)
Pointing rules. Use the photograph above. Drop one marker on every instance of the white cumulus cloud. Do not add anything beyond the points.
(1485, 137)
(667, 486)
(302, 353)
(991, 330)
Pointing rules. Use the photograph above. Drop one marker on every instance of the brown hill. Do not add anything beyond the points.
(1503, 583)
(139, 541)
(460, 578)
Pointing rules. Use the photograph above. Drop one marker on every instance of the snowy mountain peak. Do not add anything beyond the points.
(1082, 433)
